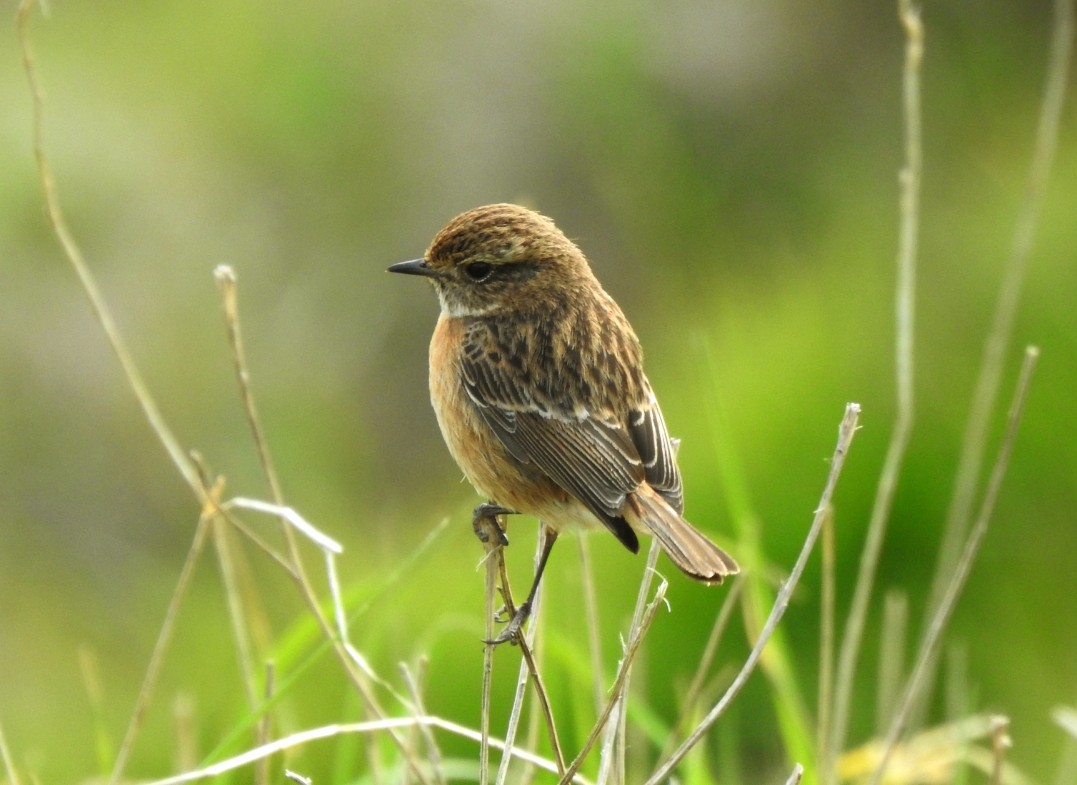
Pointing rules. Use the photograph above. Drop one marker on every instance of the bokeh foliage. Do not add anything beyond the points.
(729, 168)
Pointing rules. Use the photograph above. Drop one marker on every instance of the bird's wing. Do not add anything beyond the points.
(647, 429)
(592, 455)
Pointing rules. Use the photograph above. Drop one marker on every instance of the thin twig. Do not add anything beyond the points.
(89, 284)
(224, 510)
(846, 431)
(825, 701)
(706, 660)
(974, 442)
(940, 618)
(610, 758)
(529, 666)
(535, 722)
(332, 731)
(164, 638)
(149, 407)
(159, 426)
(891, 657)
(620, 684)
(415, 690)
(543, 699)
(226, 283)
(495, 565)
(226, 561)
(528, 669)
(401, 568)
(794, 777)
(355, 665)
(903, 366)
(185, 733)
(319, 538)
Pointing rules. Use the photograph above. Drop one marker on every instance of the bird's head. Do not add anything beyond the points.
(499, 257)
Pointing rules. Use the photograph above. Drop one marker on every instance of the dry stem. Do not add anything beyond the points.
(846, 431)
(941, 617)
(903, 361)
(974, 442)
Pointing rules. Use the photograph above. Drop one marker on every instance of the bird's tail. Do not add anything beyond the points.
(692, 553)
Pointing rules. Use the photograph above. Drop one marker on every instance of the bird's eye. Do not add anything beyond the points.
(478, 271)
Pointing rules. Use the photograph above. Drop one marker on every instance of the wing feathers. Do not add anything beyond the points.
(648, 431)
(578, 437)
(587, 457)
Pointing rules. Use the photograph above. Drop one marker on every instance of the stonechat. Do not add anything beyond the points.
(537, 381)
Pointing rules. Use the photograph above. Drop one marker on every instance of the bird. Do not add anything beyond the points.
(537, 382)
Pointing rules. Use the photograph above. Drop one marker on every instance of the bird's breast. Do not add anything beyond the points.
(485, 461)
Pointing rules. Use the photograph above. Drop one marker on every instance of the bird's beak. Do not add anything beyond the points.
(414, 267)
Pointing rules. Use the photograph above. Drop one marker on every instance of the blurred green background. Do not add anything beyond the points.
(731, 171)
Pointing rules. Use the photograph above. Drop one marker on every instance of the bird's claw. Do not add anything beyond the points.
(513, 630)
(486, 526)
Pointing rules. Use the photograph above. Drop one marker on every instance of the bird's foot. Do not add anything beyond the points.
(514, 629)
(486, 525)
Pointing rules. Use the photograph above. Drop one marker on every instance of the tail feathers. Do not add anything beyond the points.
(692, 553)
